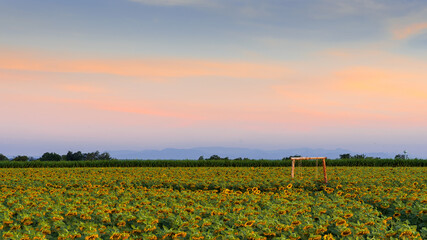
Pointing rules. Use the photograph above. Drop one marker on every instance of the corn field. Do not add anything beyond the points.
(214, 163)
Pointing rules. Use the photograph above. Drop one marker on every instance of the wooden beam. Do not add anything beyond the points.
(309, 158)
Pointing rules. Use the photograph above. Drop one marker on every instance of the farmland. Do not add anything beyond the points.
(213, 203)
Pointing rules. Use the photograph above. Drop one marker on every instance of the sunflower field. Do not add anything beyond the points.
(213, 203)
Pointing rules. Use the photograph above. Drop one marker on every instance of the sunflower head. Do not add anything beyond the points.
(346, 232)
(340, 222)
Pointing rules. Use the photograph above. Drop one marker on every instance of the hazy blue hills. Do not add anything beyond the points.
(206, 152)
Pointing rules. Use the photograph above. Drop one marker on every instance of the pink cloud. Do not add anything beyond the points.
(310, 100)
(157, 69)
(83, 88)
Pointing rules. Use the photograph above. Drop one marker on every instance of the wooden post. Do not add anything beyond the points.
(324, 170)
(293, 168)
(309, 158)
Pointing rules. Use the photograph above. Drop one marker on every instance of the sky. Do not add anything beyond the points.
(151, 74)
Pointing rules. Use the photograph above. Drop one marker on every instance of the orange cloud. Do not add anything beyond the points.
(360, 96)
(82, 88)
(145, 68)
(146, 109)
(350, 54)
(156, 110)
(383, 83)
(319, 96)
(409, 30)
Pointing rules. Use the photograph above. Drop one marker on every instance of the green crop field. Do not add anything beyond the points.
(214, 163)
(213, 203)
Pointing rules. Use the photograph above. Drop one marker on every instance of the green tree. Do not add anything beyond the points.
(359, 156)
(104, 156)
(77, 156)
(50, 157)
(20, 159)
(92, 156)
(3, 158)
(214, 157)
(345, 156)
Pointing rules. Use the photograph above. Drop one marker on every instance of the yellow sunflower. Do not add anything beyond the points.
(346, 232)
(340, 222)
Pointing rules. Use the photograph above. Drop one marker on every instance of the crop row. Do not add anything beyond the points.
(215, 163)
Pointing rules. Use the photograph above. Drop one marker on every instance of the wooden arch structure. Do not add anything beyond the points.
(310, 158)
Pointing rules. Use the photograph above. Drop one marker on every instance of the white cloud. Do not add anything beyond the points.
(174, 2)
(328, 9)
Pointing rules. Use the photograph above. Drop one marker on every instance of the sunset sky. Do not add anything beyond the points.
(151, 74)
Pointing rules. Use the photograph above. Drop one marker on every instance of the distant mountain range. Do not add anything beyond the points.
(206, 152)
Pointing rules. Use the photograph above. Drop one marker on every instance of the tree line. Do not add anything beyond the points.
(363, 156)
(342, 156)
(70, 156)
(79, 156)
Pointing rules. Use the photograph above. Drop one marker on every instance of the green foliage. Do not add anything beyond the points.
(3, 158)
(371, 162)
(79, 156)
(96, 156)
(104, 156)
(289, 158)
(214, 157)
(400, 157)
(50, 157)
(359, 156)
(20, 159)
